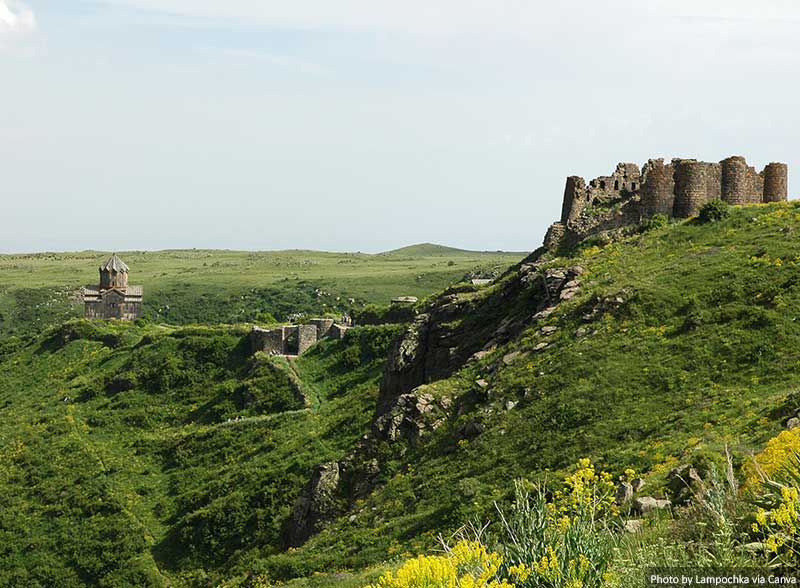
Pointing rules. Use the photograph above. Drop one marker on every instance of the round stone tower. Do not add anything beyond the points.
(113, 274)
(690, 187)
(776, 181)
(736, 186)
(658, 188)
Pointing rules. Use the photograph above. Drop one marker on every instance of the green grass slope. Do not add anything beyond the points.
(680, 341)
(204, 286)
(150, 456)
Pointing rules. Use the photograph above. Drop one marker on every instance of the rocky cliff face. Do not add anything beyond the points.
(462, 324)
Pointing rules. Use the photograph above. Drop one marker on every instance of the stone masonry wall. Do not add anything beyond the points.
(306, 337)
(678, 189)
(658, 188)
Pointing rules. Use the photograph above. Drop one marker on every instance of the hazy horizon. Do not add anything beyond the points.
(286, 250)
(259, 125)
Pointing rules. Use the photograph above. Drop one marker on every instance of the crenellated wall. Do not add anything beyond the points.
(677, 189)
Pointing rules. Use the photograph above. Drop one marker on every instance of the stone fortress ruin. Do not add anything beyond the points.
(295, 339)
(678, 189)
(114, 298)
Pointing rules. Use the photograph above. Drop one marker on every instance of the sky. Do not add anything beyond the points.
(365, 125)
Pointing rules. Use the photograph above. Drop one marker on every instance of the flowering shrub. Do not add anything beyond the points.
(558, 543)
(776, 456)
(564, 542)
(466, 565)
(778, 517)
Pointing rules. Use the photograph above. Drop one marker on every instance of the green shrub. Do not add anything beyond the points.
(714, 211)
(565, 542)
(657, 221)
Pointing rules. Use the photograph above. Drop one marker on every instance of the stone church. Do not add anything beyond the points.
(113, 298)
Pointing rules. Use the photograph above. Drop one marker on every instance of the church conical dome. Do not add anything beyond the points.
(113, 274)
(114, 264)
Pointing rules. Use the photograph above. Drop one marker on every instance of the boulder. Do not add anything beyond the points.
(624, 493)
(683, 482)
(646, 504)
(638, 484)
(510, 358)
(793, 423)
(632, 526)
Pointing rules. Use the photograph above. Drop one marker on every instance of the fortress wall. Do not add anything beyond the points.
(679, 189)
(756, 194)
(271, 341)
(574, 199)
(690, 187)
(554, 236)
(713, 181)
(323, 326)
(306, 337)
(657, 188)
(776, 182)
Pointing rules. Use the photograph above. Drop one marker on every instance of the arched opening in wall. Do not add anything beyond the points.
(616, 184)
(633, 185)
(602, 184)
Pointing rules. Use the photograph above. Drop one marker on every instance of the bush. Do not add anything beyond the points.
(714, 211)
(372, 314)
(777, 520)
(468, 563)
(657, 221)
(566, 542)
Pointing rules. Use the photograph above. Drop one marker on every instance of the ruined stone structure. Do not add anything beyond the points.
(295, 339)
(113, 298)
(677, 189)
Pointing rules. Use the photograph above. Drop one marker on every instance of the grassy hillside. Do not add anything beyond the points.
(121, 467)
(140, 456)
(199, 286)
(681, 341)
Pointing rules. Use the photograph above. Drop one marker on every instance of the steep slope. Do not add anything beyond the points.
(648, 353)
(147, 456)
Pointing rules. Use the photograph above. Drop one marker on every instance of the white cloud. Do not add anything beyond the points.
(17, 21)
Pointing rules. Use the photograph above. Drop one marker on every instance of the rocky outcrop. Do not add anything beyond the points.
(319, 501)
(685, 482)
(452, 330)
(410, 416)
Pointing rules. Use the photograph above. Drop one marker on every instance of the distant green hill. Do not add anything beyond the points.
(121, 467)
(434, 250)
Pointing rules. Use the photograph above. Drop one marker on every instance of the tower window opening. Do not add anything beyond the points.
(616, 184)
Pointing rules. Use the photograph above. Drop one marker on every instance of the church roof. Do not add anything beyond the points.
(114, 264)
